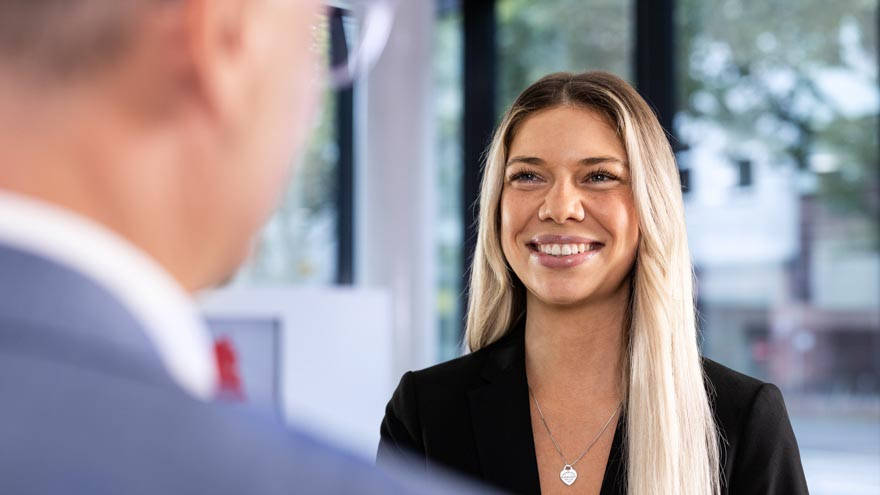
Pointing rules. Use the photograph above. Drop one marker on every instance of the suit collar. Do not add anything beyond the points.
(502, 422)
(164, 312)
(502, 418)
(50, 310)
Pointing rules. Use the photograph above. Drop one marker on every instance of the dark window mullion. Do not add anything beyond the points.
(480, 83)
(655, 59)
(345, 163)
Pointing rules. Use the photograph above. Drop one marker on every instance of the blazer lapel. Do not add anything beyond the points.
(502, 419)
(503, 425)
(615, 468)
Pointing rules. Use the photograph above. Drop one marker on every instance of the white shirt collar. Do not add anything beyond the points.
(147, 291)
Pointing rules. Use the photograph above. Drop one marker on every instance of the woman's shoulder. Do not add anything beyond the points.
(465, 370)
(728, 382)
(451, 380)
(736, 397)
(433, 403)
(759, 449)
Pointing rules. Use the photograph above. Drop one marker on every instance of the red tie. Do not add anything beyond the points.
(230, 387)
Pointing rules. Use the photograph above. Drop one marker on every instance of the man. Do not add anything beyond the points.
(142, 144)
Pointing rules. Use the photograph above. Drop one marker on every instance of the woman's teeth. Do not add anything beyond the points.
(564, 249)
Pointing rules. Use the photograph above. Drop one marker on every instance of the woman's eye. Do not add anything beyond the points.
(524, 177)
(599, 177)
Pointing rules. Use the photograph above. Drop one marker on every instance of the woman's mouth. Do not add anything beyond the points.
(554, 255)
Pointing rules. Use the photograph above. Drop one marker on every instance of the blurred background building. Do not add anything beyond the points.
(772, 108)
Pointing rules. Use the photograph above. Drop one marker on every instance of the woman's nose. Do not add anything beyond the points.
(562, 203)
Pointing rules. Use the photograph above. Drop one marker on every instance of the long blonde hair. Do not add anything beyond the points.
(671, 436)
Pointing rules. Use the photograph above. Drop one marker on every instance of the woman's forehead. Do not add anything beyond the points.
(566, 133)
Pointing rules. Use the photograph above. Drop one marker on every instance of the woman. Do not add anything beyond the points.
(584, 374)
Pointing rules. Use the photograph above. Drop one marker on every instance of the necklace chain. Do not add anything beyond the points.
(543, 420)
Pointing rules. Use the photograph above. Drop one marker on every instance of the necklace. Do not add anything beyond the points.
(568, 474)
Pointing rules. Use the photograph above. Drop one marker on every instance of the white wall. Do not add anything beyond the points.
(334, 356)
(396, 180)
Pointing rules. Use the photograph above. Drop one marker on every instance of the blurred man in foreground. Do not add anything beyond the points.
(142, 144)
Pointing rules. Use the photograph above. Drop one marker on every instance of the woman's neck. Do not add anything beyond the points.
(576, 351)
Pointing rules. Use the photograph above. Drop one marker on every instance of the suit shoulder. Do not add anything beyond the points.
(729, 383)
(739, 400)
(759, 448)
(462, 370)
(445, 381)
(429, 403)
(153, 429)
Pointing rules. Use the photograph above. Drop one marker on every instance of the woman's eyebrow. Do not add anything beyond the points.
(596, 160)
(587, 162)
(528, 160)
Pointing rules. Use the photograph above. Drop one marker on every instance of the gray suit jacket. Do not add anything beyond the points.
(87, 407)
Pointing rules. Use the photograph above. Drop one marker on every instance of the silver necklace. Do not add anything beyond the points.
(568, 475)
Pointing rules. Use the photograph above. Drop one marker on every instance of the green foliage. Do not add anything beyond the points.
(537, 38)
(755, 68)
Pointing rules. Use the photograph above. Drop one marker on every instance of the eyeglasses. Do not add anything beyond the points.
(351, 35)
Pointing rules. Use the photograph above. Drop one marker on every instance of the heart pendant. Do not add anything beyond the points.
(568, 475)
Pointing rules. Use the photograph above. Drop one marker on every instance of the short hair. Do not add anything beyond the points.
(63, 38)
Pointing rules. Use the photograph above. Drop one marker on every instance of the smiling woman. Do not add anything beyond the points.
(581, 318)
(563, 192)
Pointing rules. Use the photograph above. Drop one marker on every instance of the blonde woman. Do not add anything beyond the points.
(584, 374)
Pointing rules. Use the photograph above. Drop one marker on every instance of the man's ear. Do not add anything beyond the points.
(215, 34)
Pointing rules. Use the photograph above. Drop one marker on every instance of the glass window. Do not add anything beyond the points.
(448, 114)
(537, 38)
(299, 243)
(779, 105)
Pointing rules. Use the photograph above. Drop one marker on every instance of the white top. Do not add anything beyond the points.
(164, 309)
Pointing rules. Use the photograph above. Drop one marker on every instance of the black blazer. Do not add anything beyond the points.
(472, 415)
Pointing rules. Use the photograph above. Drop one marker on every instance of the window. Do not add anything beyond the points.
(309, 240)
(779, 104)
(299, 243)
(448, 115)
(537, 38)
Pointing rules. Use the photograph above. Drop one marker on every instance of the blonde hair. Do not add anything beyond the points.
(671, 436)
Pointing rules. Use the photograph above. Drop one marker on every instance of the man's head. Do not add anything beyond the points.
(173, 122)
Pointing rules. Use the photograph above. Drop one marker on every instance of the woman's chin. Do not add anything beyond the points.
(563, 298)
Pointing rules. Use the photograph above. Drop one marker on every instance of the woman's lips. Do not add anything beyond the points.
(562, 260)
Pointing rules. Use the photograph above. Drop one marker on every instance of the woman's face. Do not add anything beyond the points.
(568, 224)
